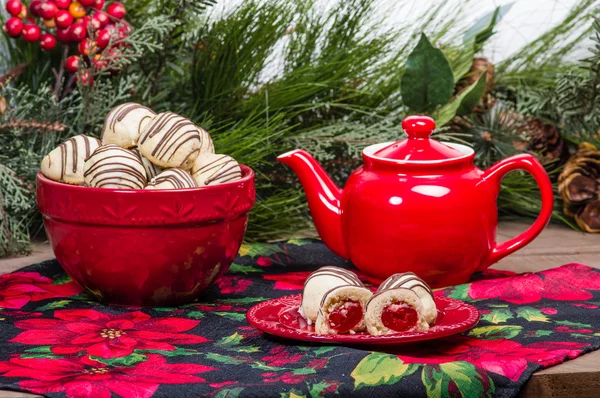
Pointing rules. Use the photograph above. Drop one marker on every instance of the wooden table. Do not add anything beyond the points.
(556, 246)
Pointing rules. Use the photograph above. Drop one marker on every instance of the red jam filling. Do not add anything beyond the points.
(399, 317)
(345, 317)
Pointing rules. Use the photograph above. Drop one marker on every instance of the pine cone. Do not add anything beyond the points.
(480, 66)
(579, 187)
(545, 140)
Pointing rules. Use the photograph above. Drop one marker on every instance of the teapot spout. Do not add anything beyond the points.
(323, 198)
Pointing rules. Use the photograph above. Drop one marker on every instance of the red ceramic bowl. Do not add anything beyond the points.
(138, 247)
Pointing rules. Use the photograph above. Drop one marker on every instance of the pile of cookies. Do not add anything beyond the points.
(338, 302)
(140, 149)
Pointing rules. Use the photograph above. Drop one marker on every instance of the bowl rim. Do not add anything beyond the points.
(247, 176)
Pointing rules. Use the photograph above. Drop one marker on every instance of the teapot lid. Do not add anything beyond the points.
(418, 146)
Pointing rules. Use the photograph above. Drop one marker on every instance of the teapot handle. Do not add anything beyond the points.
(494, 175)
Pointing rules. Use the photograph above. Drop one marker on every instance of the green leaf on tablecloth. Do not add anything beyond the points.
(300, 242)
(466, 378)
(460, 292)
(498, 305)
(317, 389)
(39, 352)
(323, 350)
(263, 366)
(496, 332)
(292, 394)
(129, 360)
(229, 392)
(234, 339)
(224, 359)
(304, 371)
(531, 314)
(54, 305)
(539, 333)
(61, 279)
(163, 309)
(242, 300)
(378, 368)
(171, 353)
(258, 249)
(42, 348)
(236, 316)
(428, 80)
(247, 349)
(497, 316)
(243, 269)
(574, 324)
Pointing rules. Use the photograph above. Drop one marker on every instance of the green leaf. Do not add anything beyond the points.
(473, 97)
(54, 305)
(258, 249)
(462, 64)
(316, 389)
(428, 80)
(243, 269)
(129, 360)
(242, 300)
(497, 316)
(62, 279)
(173, 353)
(378, 368)
(539, 333)
(531, 314)
(43, 348)
(195, 314)
(460, 292)
(574, 324)
(483, 29)
(300, 242)
(445, 113)
(323, 350)
(224, 359)
(496, 332)
(236, 316)
(229, 392)
(248, 349)
(234, 339)
(263, 366)
(464, 375)
(304, 371)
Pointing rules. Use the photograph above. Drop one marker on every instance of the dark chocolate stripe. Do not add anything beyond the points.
(401, 280)
(120, 112)
(345, 275)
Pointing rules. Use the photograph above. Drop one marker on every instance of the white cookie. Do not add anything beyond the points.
(172, 179)
(124, 123)
(65, 162)
(170, 141)
(111, 166)
(320, 282)
(212, 169)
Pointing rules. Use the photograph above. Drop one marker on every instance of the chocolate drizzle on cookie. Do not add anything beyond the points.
(177, 178)
(176, 131)
(118, 167)
(222, 169)
(405, 280)
(69, 150)
(118, 113)
(348, 277)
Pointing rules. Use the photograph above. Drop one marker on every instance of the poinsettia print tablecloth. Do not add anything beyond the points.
(56, 342)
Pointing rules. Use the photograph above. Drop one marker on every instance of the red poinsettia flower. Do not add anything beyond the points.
(106, 335)
(232, 284)
(19, 288)
(83, 377)
(569, 282)
(505, 357)
(280, 357)
(289, 280)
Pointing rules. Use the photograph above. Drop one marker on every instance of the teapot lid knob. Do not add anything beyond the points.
(418, 126)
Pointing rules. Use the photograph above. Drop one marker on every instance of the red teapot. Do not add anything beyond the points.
(417, 205)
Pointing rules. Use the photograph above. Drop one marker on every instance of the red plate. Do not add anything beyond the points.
(280, 317)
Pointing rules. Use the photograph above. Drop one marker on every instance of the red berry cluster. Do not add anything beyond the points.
(69, 21)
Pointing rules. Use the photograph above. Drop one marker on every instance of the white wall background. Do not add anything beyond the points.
(526, 20)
